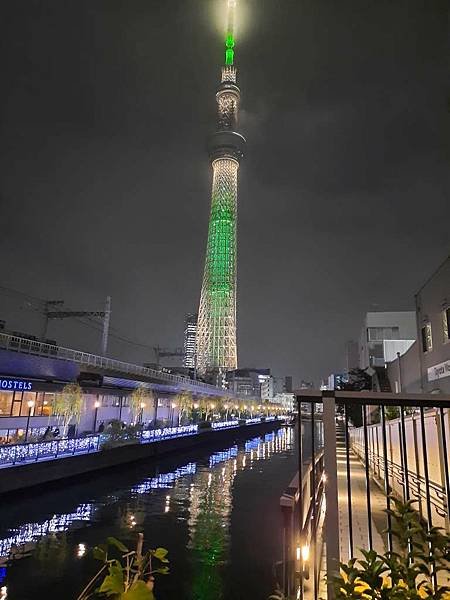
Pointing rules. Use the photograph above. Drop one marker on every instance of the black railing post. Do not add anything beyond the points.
(301, 541)
(331, 489)
(445, 465)
(404, 454)
(314, 501)
(387, 488)
(366, 469)
(427, 483)
(349, 485)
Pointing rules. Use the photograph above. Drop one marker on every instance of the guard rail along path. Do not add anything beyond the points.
(339, 506)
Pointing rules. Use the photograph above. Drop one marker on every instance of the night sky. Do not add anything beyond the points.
(105, 180)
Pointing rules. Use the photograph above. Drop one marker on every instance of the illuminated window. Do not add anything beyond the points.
(427, 340)
(6, 399)
(28, 397)
(446, 324)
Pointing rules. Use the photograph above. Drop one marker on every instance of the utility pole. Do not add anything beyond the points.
(67, 314)
(48, 304)
(106, 320)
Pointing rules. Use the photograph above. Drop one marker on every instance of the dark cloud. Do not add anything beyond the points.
(105, 181)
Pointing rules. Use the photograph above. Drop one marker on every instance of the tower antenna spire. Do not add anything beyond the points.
(230, 39)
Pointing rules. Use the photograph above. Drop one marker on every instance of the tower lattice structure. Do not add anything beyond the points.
(216, 347)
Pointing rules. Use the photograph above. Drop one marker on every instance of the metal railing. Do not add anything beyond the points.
(36, 348)
(29, 452)
(301, 520)
(407, 457)
(35, 451)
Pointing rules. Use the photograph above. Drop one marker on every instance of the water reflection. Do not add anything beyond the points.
(197, 494)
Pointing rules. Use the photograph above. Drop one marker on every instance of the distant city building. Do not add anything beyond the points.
(288, 384)
(275, 385)
(336, 380)
(383, 335)
(425, 367)
(190, 332)
(306, 385)
(247, 382)
(267, 389)
(351, 355)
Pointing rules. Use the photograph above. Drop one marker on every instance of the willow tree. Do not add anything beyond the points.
(139, 399)
(185, 404)
(68, 404)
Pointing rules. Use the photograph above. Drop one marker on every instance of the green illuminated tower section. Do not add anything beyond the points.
(216, 329)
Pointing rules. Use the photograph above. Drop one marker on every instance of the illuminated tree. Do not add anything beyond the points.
(68, 405)
(139, 399)
(185, 403)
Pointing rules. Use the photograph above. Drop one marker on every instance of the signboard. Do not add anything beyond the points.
(15, 384)
(439, 371)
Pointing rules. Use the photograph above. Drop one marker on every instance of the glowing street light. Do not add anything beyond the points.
(30, 405)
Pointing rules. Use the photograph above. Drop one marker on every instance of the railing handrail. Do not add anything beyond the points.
(365, 397)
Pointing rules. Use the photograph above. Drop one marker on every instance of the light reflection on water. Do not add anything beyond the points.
(197, 495)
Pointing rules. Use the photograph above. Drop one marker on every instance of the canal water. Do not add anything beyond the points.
(217, 513)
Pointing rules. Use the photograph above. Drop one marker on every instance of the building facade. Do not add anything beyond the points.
(30, 386)
(247, 382)
(383, 335)
(216, 331)
(433, 327)
(190, 334)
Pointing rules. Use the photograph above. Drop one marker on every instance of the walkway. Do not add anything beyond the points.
(358, 504)
(359, 512)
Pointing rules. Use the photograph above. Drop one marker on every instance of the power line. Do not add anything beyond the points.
(93, 323)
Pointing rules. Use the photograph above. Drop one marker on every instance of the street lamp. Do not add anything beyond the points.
(141, 418)
(30, 405)
(96, 406)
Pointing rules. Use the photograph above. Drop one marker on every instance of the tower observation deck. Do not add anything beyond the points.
(216, 330)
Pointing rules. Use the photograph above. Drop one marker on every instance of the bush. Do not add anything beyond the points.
(115, 434)
(407, 573)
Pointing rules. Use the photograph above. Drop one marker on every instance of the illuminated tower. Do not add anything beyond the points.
(216, 329)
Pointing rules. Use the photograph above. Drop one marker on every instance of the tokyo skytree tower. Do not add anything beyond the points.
(216, 329)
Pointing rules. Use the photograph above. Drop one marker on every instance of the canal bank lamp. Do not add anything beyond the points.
(303, 554)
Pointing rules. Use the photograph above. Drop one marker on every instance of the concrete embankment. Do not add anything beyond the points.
(47, 471)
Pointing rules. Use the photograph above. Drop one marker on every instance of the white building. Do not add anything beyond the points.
(383, 335)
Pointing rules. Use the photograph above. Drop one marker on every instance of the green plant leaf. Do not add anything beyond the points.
(113, 583)
(99, 552)
(112, 541)
(160, 554)
(138, 591)
(162, 570)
